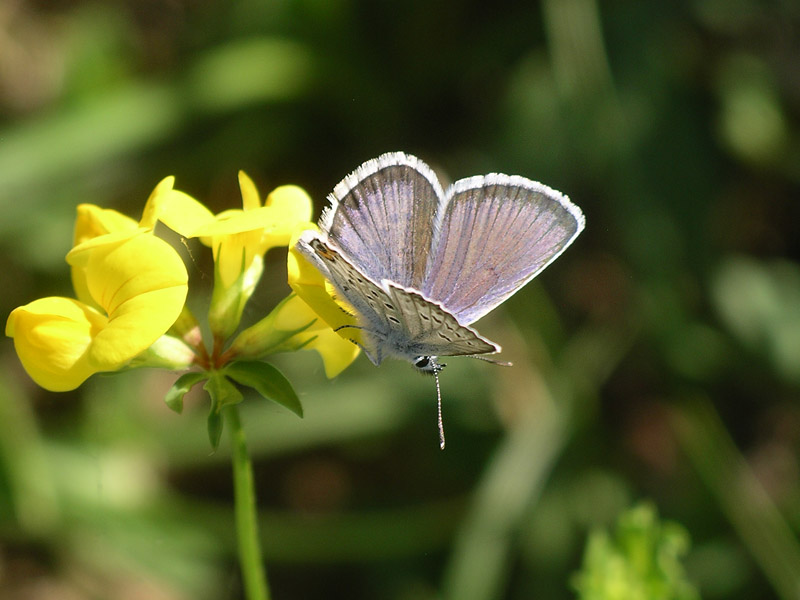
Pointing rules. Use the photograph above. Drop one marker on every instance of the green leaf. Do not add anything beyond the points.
(223, 393)
(641, 558)
(214, 428)
(267, 381)
(174, 397)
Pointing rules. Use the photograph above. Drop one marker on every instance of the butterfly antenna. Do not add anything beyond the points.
(499, 363)
(439, 404)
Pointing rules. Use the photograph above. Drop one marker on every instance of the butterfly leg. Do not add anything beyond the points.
(375, 360)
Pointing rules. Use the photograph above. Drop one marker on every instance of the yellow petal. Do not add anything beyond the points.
(236, 254)
(250, 198)
(291, 200)
(293, 314)
(291, 209)
(141, 284)
(271, 221)
(155, 201)
(135, 325)
(52, 337)
(79, 254)
(234, 221)
(337, 353)
(286, 208)
(93, 221)
(177, 210)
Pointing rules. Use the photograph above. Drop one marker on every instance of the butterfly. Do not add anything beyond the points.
(419, 264)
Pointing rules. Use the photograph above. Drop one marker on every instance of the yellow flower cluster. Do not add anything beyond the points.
(131, 288)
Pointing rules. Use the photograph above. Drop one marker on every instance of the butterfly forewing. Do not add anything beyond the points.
(495, 234)
(381, 216)
(367, 298)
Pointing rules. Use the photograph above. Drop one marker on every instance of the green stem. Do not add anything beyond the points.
(254, 575)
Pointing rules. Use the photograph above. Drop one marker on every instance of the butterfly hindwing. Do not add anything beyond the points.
(493, 235)
(435, 330)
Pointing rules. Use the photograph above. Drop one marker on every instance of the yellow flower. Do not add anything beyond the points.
(52, 337)
(138, 282)
(177, 210)
(240, 238)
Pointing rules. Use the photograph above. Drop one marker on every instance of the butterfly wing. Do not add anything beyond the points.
(432, 330)
(493, 234)
(381, 216)
(398, 321)
(367, 298)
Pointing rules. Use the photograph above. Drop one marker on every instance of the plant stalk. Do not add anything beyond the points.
(254, 576)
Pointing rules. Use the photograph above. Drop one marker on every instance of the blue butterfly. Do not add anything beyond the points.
(419, 264)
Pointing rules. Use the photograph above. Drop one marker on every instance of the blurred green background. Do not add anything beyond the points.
(658, 358)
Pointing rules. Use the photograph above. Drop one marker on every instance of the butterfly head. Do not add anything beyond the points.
(428, 364)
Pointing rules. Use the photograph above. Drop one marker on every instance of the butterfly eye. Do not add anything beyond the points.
(428, 364)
